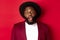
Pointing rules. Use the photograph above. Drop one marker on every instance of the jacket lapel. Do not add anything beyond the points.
(23, 32)
(40, 31)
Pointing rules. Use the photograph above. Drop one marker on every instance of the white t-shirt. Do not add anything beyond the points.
(31, 31)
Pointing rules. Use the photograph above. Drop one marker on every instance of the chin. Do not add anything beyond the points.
(30, 23)
(33, 21)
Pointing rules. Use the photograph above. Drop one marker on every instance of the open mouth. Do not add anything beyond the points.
(30, 18)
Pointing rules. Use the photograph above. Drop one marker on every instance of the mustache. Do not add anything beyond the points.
(30, 17)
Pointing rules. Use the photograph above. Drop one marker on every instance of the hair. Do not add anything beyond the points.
(32, 4)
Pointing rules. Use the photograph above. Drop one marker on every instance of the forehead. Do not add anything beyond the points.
(29, 7)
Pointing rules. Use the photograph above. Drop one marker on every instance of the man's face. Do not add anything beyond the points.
(29, 14)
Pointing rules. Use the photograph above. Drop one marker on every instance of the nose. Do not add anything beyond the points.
(30, 13)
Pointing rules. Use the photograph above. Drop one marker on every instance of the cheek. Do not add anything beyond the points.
(34, 14)
(26, 15)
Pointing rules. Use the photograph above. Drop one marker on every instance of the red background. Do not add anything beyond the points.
(9, 15)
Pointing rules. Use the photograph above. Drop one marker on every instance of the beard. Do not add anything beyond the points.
(33, 21)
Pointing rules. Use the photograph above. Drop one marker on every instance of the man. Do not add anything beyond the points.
(30, 29)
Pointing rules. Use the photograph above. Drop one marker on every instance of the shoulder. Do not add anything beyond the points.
(18, 25)
(44, 26)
